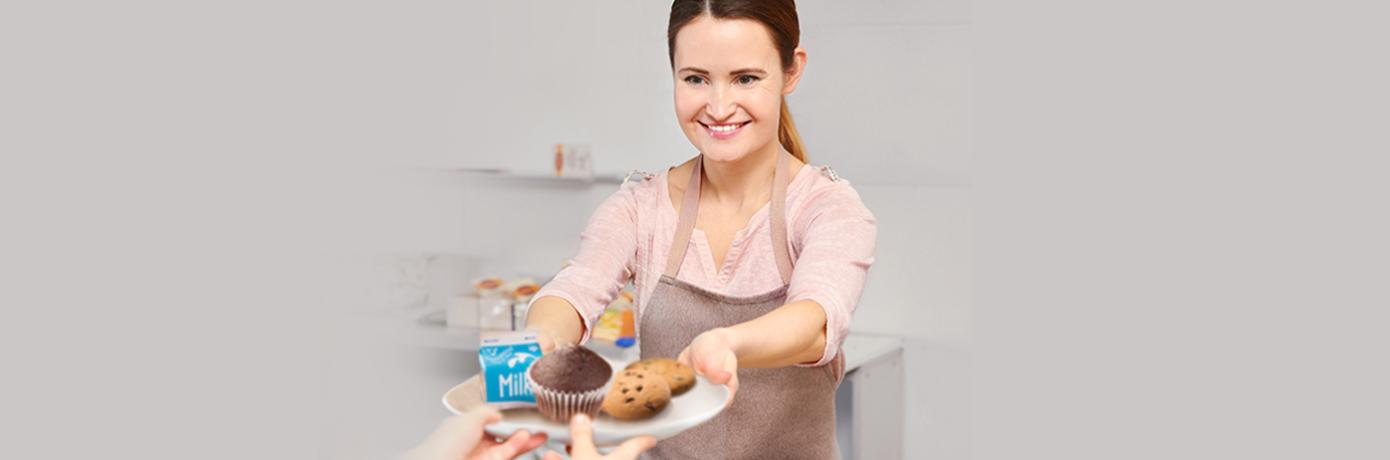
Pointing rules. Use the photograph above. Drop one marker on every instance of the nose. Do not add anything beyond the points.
(721, 104)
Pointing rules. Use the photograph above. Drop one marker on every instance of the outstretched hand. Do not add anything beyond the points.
(711, 354)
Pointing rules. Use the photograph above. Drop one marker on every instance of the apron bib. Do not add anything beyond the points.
(787, 412)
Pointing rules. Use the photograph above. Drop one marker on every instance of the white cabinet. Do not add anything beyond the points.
(869, 403)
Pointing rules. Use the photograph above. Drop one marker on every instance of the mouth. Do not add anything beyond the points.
(724, 131)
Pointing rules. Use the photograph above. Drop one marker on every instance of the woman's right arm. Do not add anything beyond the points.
(565, 308)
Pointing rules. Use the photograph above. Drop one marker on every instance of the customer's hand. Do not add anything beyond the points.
(582, 447)
(461, 437)
(711, 354)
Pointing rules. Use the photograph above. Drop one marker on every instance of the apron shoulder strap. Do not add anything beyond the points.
(780, 250)
(685, 224)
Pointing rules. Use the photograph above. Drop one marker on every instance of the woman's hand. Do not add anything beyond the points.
(582, 432)
(545, 340)
(462, 437)
(712, 355)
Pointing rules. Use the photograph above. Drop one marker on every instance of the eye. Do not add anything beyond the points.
(746, 79)
(694, 79)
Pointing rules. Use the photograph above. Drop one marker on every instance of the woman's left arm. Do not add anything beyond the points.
(794, 333)
(837, 235)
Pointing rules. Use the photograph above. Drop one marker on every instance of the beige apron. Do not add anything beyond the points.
(786, 412)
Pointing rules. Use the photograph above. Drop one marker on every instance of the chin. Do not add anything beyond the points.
(725, 153)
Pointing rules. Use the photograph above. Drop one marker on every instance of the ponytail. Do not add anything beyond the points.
(787, 135)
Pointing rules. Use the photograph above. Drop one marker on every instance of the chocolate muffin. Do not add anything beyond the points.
(570, 380)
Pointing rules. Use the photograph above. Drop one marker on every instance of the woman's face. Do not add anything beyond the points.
(729, 86)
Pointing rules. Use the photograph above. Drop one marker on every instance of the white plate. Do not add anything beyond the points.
(704, 401)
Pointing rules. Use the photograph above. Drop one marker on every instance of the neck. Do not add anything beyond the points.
(747, 180)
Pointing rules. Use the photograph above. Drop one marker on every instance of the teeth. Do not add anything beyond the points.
(723, 128)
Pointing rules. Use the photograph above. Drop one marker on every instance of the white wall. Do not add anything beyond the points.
(886, 101)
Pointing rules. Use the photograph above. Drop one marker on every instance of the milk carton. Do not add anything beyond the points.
(505, 358)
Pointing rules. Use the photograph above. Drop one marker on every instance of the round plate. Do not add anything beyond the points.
(701, 403)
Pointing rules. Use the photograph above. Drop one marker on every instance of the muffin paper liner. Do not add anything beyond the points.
(559, 406)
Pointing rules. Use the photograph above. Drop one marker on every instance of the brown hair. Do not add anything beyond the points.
(778, 16)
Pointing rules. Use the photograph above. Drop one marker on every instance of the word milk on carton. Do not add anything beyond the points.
(505, 358)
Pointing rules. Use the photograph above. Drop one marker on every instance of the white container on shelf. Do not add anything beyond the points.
(461, 312)
(494, 312)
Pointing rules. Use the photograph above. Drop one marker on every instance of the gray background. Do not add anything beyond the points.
(1142, 230)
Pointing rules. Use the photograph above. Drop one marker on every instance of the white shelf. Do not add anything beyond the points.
(537, 177)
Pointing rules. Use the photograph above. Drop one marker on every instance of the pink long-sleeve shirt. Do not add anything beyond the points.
(629, 236)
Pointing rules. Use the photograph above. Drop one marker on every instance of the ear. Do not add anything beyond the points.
(798, 68)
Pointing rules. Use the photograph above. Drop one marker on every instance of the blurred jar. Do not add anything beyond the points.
(573, 160)
(495, 311)
(522, 291)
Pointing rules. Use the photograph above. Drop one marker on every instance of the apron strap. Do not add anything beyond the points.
(780, 251)
(690, 207)
(685, 224)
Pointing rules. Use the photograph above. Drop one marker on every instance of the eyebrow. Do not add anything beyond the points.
(734, 72)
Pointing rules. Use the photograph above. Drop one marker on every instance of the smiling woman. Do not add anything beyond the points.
(748, 264)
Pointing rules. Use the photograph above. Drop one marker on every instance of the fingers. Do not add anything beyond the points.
(547, 343)
(733, 389)
(715, 365)
(709, 354)
(523, 444)
(631, 448)
(692, 356)
(544, 339)
(487, 414)
(552, 455)
(536, 441)
(731, 369)
(581, 433)
(520, 442)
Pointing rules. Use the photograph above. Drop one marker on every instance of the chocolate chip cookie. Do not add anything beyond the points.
(636, 394)
(678, 376)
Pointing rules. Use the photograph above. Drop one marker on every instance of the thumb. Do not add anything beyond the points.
(544, 340)
(721, 368)
(731, 366)
(487, 415)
